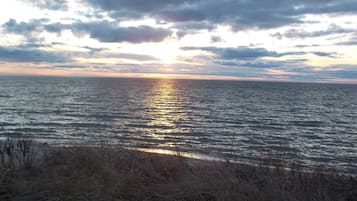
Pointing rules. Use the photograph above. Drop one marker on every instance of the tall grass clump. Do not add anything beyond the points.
(108, 174)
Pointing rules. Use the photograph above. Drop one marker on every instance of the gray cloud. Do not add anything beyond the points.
(34, 26)
(216, 39)
(55, 27)
(49, 4)
(13, 26)
(186, 17)
(266, 64)
(340, 71)
(351, 41)
(68, 66)
(238, 13)
(181, 15)
(247, 53)
(348, 43)
(241, 53)
(108, 32)
(329, 6)
(138, 57)
(16, 54)
(135, 5)
(349, 74)
(250, 61)
(252, 64)
(103, 31)
(325, 54)
(310, 45)
(300, 33)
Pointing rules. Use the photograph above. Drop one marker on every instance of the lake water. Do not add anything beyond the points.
(315, 124)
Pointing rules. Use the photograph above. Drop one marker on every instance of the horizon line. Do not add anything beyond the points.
(189, 77)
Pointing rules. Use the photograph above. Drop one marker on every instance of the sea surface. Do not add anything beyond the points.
(312, 124)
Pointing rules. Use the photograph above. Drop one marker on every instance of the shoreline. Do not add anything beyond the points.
(269, 160)
(31, 172)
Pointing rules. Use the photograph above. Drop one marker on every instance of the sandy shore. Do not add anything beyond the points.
(30, 171)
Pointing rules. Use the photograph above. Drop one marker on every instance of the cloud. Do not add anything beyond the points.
(351, 74)
(68, 66)
(329, 6)
(325, 54)
(12, 26)
(310, 45)
(33, 27)
(138, 57)
(55, 27)
(241, 53)
(242, 13)
(105, 31)
(181, 15)
(239, 14)
(256, 62)
(252, 64)
(16, 54)
(247, 53)
(104, 21)
(340, 71)
(300, 33)
(216, 39)
(135, 5)
(49, 4)
(350, 42)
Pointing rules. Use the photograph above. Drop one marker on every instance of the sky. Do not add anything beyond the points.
(277, 40)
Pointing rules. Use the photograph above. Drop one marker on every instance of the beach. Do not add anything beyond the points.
(35, 171)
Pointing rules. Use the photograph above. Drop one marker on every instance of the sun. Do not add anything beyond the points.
(167, 57)
(165, 52)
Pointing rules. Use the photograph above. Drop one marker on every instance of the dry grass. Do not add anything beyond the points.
(81, 173)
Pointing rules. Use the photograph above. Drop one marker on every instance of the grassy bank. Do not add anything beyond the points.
(30, 171)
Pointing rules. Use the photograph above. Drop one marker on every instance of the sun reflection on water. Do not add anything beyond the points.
(181, 154)
(165, 111)
(161, 105)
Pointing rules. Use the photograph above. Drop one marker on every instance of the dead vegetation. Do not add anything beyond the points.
(32, 172)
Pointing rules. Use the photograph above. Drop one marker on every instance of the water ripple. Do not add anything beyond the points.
(312, 123)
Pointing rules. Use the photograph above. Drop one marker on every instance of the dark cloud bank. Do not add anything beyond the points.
(187, 16)
(197, 14)
(238, 13)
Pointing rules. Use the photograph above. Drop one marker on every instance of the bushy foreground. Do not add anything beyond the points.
(35, 172)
